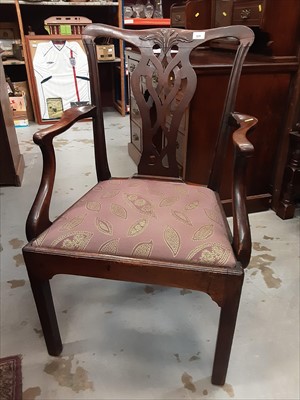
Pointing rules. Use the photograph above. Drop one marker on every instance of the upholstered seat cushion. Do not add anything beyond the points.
(140, 218)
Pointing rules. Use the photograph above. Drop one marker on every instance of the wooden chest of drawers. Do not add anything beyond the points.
(276, 23)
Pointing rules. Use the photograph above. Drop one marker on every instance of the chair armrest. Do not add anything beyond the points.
(38, 218)
(243, 149)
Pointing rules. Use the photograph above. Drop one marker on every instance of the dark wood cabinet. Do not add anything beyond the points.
(287, 184)
(264, 92)
(11, 161)
(275, 23)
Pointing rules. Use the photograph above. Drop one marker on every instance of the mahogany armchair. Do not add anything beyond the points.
(152, 228)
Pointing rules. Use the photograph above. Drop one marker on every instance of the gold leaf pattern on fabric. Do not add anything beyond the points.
(104, 226)
(138, 227)
(192, 205)
(77, 240)
(214, 215)
(107, 194)
(204, 232)
(180, 216)
(209, 253)
(93, 205)
(110, 247)
(39, 240)
(118, 210)
(142, 250)
(172, 240)
(140, 203)
(168, 201)
(73, 223)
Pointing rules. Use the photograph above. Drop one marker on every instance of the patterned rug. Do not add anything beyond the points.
(10, 378)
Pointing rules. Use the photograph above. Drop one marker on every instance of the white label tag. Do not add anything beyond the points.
(198, 35)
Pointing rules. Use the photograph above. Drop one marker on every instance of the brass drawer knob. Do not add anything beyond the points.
(245, 13)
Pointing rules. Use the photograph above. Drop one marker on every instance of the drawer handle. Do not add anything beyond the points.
(135, 111)
(132, 68)
(135, 137)
(245, 13)
(177, 18)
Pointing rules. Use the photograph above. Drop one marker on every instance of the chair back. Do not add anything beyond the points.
(163, 84)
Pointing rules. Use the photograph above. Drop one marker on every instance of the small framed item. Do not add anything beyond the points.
(106, 52)
(55, 107)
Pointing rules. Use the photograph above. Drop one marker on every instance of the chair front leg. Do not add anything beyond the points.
(227, 322)
(45, 307)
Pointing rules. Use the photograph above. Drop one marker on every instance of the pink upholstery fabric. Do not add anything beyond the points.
(143, 218)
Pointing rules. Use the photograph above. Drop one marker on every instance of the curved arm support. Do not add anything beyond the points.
(38, 218)
(243, 149)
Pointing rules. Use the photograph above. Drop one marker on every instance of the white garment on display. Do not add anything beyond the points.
(61, 71)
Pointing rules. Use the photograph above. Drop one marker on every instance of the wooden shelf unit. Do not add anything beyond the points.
(147, 22)
(98, 11)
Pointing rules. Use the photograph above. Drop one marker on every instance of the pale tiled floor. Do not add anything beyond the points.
(132, 341)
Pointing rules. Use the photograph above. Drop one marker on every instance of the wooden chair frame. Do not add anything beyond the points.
(223, 285)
